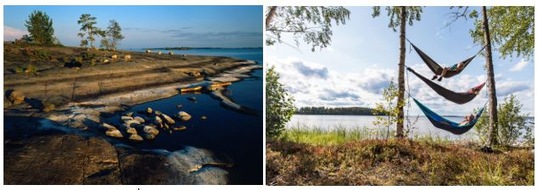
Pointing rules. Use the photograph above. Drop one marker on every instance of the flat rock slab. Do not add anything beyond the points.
(60, 159)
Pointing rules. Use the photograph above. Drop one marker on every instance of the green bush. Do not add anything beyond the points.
(279, 104)
(511, 123)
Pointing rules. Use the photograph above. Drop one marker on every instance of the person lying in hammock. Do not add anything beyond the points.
(455, 68)
(467, 119)
(473, 90)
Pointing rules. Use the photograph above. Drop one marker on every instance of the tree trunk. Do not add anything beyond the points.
(491, 84)
(401, 92)
(270, 15)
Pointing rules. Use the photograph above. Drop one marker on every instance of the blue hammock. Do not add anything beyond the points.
(445, 124)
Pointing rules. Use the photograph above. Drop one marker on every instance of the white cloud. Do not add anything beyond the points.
(519, 66)
(11, 34)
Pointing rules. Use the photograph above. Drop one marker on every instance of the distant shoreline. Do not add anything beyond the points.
(195, 48)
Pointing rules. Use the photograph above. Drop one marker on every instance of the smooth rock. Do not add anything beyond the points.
(136, 137)
(108, 126)
(184, 116)
(130, 114)
(139, 119)
(16, 97)
(131, 130)
(126, 118)
(158, 121)
(151, 130)
(158, 112)
(168, 119)
(114, 133)
(149, 110)
(203, 117)
(179, 128)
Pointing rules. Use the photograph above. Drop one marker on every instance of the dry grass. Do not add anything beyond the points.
(395, 162)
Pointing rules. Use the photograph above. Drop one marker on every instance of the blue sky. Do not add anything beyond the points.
(364, 54)
(152, 26)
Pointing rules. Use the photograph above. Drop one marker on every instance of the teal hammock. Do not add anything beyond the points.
(446, 124)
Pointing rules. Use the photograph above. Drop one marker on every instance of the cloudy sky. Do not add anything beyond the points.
(363, 58)
(152, 26)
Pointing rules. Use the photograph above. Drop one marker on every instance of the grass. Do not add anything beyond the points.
(319, 136)
(315, 156)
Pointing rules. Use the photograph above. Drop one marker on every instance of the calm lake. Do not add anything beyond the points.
(234, 135)
(421, 126)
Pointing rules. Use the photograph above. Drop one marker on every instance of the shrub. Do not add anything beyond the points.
(511, 123)
(279, 104)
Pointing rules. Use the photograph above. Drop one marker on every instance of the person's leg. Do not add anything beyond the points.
(444, 71)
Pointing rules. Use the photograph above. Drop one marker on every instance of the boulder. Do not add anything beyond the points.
(179, 128)
(151, 130)
(126, 118)
(113, 56)
(114, 133)
(140, 119)
(159, 52)
(158, 112)
(136, 137)
(168, 119)
(184, 116)
(130, 114)
(16, 97)
(203, 117)
(128, 57)
(131, 130)
(170, 53)
(108, 126)
(148, 51)
(149, 110)
(158, 121)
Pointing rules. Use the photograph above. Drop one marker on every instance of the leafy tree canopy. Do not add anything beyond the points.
(309, 23)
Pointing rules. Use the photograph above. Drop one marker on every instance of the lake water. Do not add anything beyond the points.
(421, 125)
(237, 136)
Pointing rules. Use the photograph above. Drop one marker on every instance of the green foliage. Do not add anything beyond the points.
(511, 30)
(312, 24)
(39, 26)
(334, 111)
(88, 30)
(386, 111)
(279, 104)
(413, 13)
(112, 35)
(511, 123)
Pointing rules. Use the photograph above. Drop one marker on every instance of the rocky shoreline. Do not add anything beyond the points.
(36, 153)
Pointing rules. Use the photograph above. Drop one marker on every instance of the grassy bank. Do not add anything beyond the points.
(339, 157)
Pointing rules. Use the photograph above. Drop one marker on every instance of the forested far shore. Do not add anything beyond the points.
(335, 111)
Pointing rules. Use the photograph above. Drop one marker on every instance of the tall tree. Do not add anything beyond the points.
(312, 24)
(112, 35)
(88, 29)
(399, 17)
(511, 30)
(39, 26)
